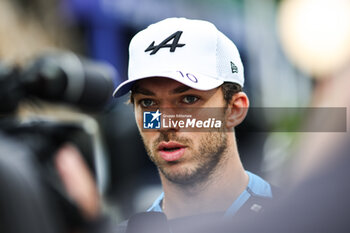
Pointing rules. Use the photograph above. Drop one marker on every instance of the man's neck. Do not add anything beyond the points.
(216, 194)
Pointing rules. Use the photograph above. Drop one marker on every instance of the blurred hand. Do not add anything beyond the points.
(78, 181)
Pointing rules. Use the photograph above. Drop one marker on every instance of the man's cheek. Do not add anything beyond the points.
(147, 139)
(138, 119)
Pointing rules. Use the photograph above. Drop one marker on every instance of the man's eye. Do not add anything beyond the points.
(190, 99)
(146, 103)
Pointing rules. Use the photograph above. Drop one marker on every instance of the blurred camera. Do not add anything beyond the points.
(61, 77)
(32, 198)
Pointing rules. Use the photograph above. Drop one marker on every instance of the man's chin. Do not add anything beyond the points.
(181, 176)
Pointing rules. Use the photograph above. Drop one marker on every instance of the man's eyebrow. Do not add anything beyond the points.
(180, 89)
(143, 91)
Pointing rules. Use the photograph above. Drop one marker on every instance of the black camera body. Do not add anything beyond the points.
(58, 77)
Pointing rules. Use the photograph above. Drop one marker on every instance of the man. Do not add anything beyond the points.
(184, 65)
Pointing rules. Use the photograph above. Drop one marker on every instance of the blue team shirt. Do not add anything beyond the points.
(256, 186)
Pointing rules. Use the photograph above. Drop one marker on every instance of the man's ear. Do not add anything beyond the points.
(237, 110)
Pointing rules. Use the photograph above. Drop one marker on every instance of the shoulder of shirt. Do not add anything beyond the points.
(258, 187)
(261, 195)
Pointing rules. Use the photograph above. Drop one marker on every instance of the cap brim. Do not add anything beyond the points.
(193, 80)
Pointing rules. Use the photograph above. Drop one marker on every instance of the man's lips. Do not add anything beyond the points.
(171, 151)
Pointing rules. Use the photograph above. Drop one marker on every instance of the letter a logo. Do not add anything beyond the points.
(164, 44)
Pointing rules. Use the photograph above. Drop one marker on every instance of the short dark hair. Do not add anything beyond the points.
(228, 89)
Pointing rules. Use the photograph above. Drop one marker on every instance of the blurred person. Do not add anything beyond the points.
(175, 64)
(307, 41)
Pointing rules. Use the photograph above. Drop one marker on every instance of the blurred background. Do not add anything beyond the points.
(296, 54)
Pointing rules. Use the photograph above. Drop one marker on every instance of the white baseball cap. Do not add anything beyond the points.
(192, 52)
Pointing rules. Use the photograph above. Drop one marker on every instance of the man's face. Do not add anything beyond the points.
(181, 157)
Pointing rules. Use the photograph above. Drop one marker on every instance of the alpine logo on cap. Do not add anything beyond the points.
(164, 44)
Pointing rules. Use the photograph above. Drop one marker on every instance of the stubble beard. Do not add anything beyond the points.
(206, 159)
